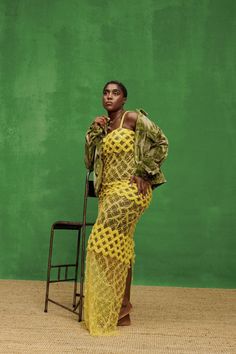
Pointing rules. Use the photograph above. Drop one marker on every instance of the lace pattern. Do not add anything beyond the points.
(110, 248)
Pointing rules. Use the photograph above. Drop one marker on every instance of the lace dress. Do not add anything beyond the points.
(110, 249)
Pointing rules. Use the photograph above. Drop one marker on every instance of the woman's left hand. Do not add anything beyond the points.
(142, 184)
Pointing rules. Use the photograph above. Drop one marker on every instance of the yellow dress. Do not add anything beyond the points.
(110, 249)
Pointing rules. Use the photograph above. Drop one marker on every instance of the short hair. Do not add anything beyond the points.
(118, 83)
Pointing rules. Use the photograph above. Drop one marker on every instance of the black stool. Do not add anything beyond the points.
(81, 228)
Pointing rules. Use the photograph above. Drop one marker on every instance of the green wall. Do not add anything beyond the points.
(176, 58)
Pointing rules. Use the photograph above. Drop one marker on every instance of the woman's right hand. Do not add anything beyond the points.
(100, 121)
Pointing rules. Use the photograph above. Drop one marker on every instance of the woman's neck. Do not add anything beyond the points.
(116, 115)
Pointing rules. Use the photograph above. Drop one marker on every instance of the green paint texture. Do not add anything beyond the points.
(176, 58)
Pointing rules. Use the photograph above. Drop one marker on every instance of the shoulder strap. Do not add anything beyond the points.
(122, 119)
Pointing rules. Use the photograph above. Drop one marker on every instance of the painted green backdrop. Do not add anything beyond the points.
(176, 58)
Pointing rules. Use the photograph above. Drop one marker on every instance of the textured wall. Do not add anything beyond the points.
(176, 58)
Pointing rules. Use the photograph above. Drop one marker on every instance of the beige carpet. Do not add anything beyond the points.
(164, 320)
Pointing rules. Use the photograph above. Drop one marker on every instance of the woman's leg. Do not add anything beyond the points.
(126, 299)
(128, 286)
(124, 319)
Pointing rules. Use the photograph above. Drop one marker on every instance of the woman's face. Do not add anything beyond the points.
(113, 98)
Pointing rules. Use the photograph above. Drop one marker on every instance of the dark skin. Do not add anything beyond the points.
(113, 101)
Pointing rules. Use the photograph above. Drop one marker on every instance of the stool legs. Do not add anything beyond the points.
(82, 266)
(66, 266)
(76, 267)
(49, 269)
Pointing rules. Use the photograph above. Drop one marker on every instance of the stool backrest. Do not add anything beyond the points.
(89, 192)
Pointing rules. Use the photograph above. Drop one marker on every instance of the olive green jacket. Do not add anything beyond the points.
(150, 150)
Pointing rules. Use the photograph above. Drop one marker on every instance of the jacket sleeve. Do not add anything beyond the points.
(152, 149)
(93, 137)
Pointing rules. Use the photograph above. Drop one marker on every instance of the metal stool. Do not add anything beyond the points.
(81, 228)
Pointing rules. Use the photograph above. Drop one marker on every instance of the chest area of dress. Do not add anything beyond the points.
(119, 140)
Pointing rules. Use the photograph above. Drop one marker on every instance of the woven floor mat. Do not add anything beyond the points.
(164, 320)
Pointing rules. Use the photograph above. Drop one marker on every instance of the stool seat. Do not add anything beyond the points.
(69, 225)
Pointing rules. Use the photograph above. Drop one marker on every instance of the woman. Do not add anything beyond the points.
(125, 150)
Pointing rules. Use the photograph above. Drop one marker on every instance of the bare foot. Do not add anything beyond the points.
(125, 310)
(124, 321)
